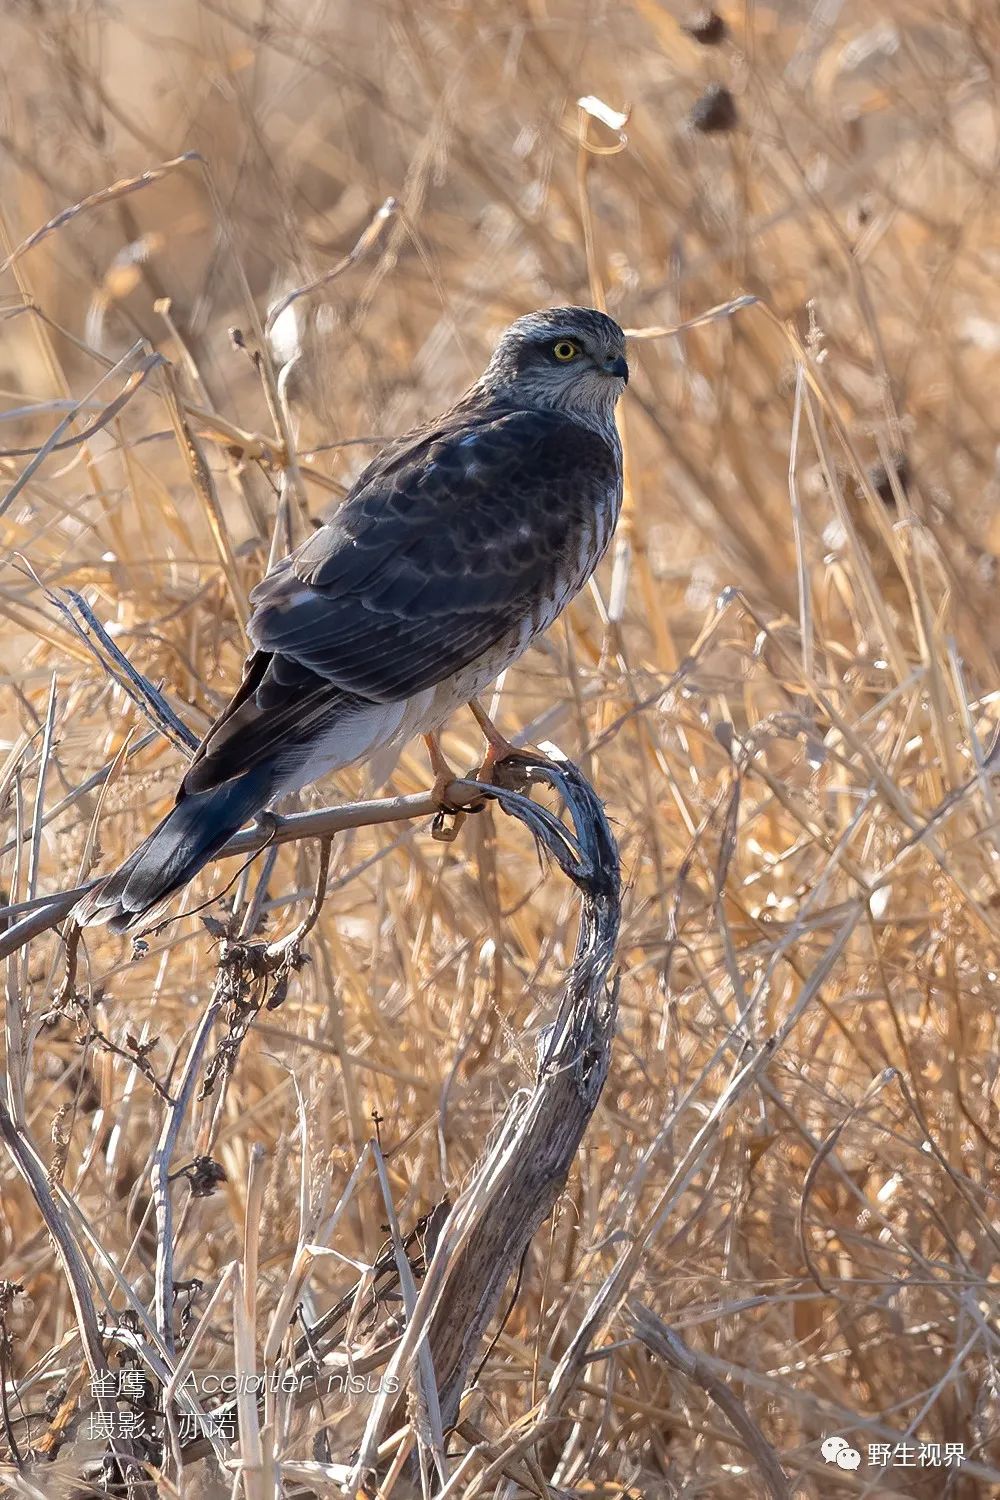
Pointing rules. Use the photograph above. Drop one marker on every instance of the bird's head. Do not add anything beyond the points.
(568, 359)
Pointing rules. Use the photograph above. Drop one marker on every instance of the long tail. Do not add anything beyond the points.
(194, 829)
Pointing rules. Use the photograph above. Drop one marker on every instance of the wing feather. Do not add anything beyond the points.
(447, 541)
(439, 552)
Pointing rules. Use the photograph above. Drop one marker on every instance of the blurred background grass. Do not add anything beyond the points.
(784, 685)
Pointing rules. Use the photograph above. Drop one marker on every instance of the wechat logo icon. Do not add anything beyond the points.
(837, 1450)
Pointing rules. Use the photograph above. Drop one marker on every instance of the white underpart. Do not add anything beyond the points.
(353, 737)
(377, 733)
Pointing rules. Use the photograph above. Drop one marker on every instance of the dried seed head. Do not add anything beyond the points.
(707, 27)
(204, 1176)
(715, 111)
(881, 481)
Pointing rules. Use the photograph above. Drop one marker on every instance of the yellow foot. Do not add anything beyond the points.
(450, 815)
(500, 753)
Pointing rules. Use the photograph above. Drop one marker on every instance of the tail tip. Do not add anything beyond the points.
(101, 908)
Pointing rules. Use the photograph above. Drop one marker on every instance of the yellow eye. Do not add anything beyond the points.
(564, 350)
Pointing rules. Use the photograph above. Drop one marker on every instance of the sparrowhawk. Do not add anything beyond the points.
(457, 546)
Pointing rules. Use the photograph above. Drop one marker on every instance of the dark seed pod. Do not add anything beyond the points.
(881, 481)
(707, 27)
(715, 111)
(204, 1175)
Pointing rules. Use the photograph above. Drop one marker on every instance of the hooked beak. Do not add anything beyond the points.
(618, 367)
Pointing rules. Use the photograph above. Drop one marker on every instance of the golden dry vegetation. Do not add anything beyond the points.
(784, 688)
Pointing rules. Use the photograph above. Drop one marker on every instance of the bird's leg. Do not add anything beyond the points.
(499, 750)
(449, 817)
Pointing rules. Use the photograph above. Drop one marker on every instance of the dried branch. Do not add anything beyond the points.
(139, 363)
(160, 1175)
(517, 1184)
(369, 238)
(671, 1348)
(132, 682)
(30, 918)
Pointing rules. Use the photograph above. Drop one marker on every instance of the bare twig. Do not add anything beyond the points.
(671, 1348)
(30, 918)
(160, 1176)
(142, 692)
(366, 242)
(138, 364)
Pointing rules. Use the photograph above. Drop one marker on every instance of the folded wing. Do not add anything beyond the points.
(430, 561)
(446, 543)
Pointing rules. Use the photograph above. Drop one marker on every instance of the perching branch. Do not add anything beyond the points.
(517, 1183)
(29, 919)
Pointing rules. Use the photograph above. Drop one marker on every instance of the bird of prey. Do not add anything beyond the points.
(457, 546)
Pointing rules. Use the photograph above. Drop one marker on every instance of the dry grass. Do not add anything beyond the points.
(784, 689)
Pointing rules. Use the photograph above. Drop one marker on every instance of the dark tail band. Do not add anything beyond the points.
(194, 829)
